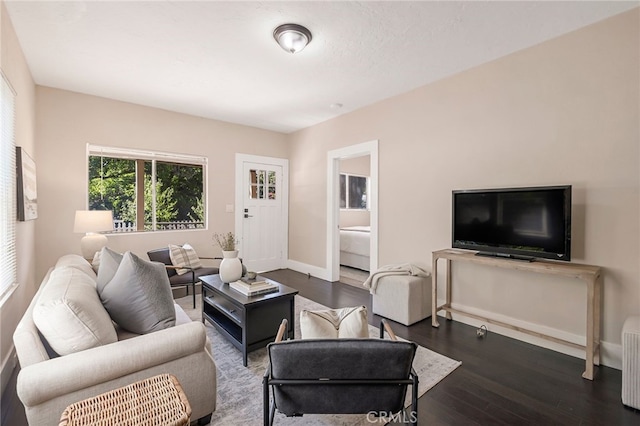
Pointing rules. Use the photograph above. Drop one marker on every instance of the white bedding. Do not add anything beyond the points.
(355, 246)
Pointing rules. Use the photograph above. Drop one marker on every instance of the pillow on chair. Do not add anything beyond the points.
(334, 323)
(184, 256)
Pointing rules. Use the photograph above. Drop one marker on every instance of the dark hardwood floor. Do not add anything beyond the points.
(500, 381)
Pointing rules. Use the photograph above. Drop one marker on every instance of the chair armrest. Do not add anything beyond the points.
(46, 380)
(283, 330)
(384, 326)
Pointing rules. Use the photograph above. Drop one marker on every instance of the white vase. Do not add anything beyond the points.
(230, 267)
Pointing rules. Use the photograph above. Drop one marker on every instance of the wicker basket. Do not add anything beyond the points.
(156, 401)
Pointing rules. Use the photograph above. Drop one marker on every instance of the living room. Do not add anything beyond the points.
(564, 111)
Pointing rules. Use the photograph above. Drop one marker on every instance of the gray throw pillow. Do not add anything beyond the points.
(109, 263)
(138, 297)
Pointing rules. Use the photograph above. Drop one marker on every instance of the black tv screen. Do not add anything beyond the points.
(520, 223)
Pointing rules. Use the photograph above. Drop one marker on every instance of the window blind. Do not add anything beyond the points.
(8, 201)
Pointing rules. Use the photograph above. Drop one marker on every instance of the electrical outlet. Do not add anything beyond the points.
(481, 331)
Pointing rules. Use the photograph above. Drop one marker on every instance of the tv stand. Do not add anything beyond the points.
(590, 275)
(506, 256)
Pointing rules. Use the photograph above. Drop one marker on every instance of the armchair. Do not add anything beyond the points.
(162, 255)
(339, 376)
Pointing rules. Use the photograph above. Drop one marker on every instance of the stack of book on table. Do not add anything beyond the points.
(253, 288)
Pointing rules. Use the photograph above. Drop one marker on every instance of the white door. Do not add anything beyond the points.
(262, 216)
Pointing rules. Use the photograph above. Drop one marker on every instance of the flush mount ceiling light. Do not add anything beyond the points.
(292, 37)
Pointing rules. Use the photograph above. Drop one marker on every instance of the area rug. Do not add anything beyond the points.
(240, 388)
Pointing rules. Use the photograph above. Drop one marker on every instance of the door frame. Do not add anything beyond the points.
(333, 204)
(284, 219)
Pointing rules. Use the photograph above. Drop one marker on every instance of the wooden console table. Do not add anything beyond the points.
(591, 275)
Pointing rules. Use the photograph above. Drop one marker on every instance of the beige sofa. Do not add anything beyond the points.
(48, 383)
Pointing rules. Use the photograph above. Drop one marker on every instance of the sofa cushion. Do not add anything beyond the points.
(139, 297)
(69, 314)
(334, 323)
(78, 262)
(184, 256)
(109, 263)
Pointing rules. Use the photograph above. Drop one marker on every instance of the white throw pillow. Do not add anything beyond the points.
(139, 297)
(184, 256)
(334, 323)
(69, 313)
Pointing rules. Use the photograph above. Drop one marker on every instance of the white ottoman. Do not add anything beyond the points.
(403, 298)
(631, 362)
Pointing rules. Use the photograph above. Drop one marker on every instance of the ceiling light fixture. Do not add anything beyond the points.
(292, 37)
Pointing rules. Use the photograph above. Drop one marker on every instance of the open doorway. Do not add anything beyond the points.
(354, 219)
(361, 162)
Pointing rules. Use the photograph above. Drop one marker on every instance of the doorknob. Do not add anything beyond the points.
(246, 215)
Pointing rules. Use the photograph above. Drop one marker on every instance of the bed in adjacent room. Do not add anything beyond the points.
(355, 246)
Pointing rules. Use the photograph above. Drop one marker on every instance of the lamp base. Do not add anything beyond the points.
(91, 243)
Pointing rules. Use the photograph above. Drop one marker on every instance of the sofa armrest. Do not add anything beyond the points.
(43, 381)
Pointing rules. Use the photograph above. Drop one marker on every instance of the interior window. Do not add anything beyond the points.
(353, 192)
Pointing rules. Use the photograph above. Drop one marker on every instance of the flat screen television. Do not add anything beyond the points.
(516, 223)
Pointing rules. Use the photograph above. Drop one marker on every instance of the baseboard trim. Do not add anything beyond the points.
(9, 363)
(610, 353)
(305, 268)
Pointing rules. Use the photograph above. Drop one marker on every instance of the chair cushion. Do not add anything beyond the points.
(348, 359)
(69, 314)
(187, 278)
(138, 297)
(184, 256)
(334, 323)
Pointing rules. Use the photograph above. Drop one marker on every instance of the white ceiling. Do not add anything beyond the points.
(218, 59)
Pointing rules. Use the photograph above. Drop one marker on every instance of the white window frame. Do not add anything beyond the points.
(346, 191)
(8, 208)
(153, 156)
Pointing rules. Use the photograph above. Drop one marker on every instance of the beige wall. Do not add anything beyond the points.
(67, 121)
(356, 166)
(563, 112)
(14, 67)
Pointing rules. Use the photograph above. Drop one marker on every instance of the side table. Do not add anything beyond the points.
(156, 401)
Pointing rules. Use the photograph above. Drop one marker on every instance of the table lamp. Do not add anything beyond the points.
(92, 222)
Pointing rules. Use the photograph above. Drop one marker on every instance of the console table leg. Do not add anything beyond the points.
(434, 293)
(588, 373)
(448, 316)
(596, 319)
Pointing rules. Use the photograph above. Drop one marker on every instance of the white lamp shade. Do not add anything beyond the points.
(93, 221)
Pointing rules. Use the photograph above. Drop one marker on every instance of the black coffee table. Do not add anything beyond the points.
(251, 322)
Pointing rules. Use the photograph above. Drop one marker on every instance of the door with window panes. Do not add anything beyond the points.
(262, 245)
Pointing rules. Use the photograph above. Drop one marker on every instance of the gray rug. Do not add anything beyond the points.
(240, 388)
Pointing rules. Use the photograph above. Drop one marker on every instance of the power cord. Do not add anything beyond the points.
(482, 331)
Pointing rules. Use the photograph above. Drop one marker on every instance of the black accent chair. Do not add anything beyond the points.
(340, 376)
(185, 280)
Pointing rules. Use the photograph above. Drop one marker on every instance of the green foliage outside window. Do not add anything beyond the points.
(179, 202)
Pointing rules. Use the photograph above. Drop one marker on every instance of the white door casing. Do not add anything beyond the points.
(333, 204)
(261, 213)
